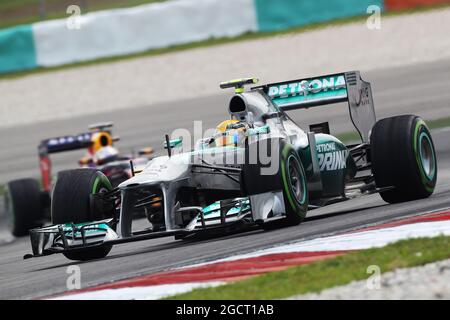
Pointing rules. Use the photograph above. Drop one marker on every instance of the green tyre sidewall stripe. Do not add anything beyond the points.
(416, 143)
(302, 202)
(104, 181)
(284, 176)
(424, 135)
(291, 200)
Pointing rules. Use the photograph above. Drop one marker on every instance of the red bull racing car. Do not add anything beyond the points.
(27, 201)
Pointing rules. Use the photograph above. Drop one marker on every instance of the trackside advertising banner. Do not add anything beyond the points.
(157, 25)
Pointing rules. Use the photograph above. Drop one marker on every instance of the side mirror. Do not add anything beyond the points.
(174, 143)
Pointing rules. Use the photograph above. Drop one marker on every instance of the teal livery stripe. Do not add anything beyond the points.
(283, 14)
(17, 50)
(321, 96)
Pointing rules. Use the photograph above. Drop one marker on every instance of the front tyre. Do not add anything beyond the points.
(403, 157)
(294, 186)
(295, 191)
(71, 203)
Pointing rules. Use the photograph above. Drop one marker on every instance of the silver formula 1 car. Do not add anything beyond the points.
(258, 168)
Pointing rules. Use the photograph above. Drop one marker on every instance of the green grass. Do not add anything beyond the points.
(2, 189)
(17, 12)
(432, 124)
(22, 5)
(214, 42)
(329, 273)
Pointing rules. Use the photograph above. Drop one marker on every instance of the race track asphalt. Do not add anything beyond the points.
(421, 89)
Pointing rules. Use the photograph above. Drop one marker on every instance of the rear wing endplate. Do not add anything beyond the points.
(329, 89)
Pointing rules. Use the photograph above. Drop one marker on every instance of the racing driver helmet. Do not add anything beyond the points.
(100, 140)
(230, 133)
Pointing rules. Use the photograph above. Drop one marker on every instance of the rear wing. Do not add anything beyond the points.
(65, 143)
(329, 89)
(97, 136)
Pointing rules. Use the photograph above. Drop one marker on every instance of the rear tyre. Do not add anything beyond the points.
(295, 192)
(23, 206)
(403, 156)
(71, 203)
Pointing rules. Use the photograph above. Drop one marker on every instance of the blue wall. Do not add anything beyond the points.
(17, 51)
(283, 14)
